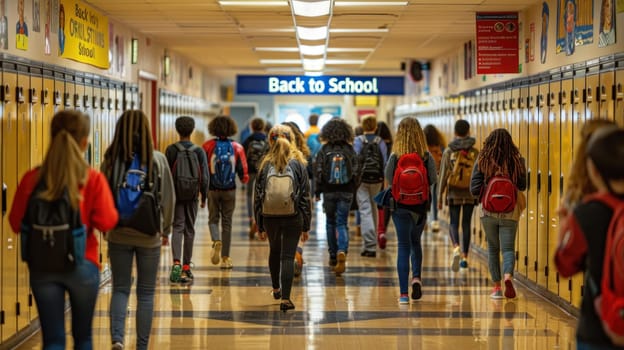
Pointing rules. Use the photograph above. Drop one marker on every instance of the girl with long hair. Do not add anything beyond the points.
(409, 220)
(65, 172)
(383, 213)
(500, 156)
(283, 231)
(133, 139)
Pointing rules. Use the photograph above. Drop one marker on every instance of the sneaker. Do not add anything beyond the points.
(176, 273)
(226, 263)
(298, 264)
(510, 291)
(187, 275)
(463, 263)
(340, 265)
(497, 293)
(333, 261)
(216, 252)
(118, 345)
(416, 289)
(455, 260)
(381, 240)
(403, 299)
(435, 226)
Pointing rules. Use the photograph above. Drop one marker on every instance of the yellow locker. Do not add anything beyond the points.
(553, 182)
(96, 111)
(47, 107)
(542, 184)
(24, 142)
(70, 92)
(606, 104)
(522, 115)
(532, 170)
(618, 93)
(565, 285)
(59, 91)
(591, 95)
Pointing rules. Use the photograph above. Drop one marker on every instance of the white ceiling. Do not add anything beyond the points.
(224, 38)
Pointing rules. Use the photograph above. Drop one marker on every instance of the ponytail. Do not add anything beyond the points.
(283, 148)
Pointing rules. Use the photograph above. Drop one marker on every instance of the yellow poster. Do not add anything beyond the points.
(83, 34)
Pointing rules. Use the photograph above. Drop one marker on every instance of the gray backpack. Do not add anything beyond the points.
(279, 193)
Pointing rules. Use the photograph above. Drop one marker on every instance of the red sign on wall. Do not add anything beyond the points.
(497, 42)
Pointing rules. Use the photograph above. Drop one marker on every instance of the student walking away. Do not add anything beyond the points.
(436, 144)
(282, 208)
(56, 208)
(337, 175)
(498, 175)
(145, 198)
(411, 171)
(591, 241)
(226, 159)
(256, 146)
(455, 169)
(372, 152)
(189, 169)
(383, 213)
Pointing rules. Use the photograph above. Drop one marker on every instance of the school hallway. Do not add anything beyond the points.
(234, 309)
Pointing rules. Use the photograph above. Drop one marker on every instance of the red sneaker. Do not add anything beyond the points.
(381, 240)
(510, 292)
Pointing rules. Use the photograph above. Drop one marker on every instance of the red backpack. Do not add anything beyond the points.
(410, 185)
(499, 195)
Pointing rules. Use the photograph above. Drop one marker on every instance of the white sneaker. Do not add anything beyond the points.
(435, 226)
(455, 259)
(216, 252)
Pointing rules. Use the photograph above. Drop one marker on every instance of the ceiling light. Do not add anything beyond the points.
(279, 61)
(312, 50)
(313, 64)
(313, 74)
(311, 8)
(359, 30)
(330, 61)
(253, 3)
(312, 33)
(370, 3)
(277, 49)
(349, 49)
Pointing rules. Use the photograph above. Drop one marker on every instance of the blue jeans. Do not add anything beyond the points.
(409, 227)
(49, 290)
(337, 205)
(466, 213)
(501, 236)
(587, 346)
(147, 260)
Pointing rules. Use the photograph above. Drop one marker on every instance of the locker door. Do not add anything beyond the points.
(96, 92)
(47, 108)
(119, 99)
(70, 92)
(606, 104)
(591, 95)
(58, 99)
(532, 171)
(578, 114)
(542, 186)
(618, 94)
(553, 181)
(565, 285)
(523, 145)
(9, 253)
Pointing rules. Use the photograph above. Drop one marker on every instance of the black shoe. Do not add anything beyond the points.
(333, 261)
(368, 254)
(277, 295)
(416, 290)
(286, 305)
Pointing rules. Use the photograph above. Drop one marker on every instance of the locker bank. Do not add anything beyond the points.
(188, 58)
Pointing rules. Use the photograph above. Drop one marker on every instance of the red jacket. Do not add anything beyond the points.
(239, 154)
(97, 208)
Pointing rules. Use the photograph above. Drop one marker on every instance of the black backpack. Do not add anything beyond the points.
(256, 149)
(186, 173)
(371, 160)
(52, 234)
(338, 165)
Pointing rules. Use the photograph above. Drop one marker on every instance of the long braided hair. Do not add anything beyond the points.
(409, 138)
(500, 155)
(132, 136)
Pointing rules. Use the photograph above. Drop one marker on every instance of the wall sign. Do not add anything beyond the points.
(83, 34)
(323, 85)
(497, 42)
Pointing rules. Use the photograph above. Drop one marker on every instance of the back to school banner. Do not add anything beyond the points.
(83, 34)
(497, 42)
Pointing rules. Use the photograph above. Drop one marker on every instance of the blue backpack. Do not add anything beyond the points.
(337, 168)
(222, 165)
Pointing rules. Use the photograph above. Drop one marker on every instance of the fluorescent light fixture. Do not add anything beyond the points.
(312, 50)
(134, 51)
(313, 64)
(359, 30)
(279, 61)
(330, 61)
(313, 74)
(370, 3)
(311, 8)
(277, 49)
(348, 49)
(312, 33)
(253, 3)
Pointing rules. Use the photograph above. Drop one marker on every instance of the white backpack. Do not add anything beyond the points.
(279, 193)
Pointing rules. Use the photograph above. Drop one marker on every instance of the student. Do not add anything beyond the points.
(286, 228)
(256, 146)
(373, 156)
(455, 169)
(132, 144)
(65, 169)
(500, 156)
(226, 159)
(190, 174)
(583, 248)
(337, 176)
(409, 220)
(383, 214)
(435, 145)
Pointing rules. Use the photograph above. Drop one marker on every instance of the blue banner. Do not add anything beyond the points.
(323, 85)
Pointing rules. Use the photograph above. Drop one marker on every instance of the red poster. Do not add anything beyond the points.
(497, 42)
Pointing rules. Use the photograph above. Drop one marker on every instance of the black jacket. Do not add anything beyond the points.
(321, 179)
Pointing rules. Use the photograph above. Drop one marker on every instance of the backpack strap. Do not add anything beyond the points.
(180, 146)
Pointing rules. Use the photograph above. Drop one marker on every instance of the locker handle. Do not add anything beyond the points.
(32, 96)
(561, 184)
(562, 98)
(19, 91)
(617, 92)
(529, 179)
(4, 199)
(44, 96)
(549, 182)
(575, 96)
(603, 93)
(539, 181)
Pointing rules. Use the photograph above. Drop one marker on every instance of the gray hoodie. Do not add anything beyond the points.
(455, 196)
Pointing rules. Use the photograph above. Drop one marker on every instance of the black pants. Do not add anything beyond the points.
(283, 236)
(184, 230)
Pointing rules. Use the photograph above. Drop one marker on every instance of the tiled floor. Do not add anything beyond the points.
(234, 309)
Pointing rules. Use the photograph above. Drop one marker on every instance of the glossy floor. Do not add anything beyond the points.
(233, 309)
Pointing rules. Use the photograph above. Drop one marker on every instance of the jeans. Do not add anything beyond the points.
(251, 184)
(501, 235)
(368, 214)
(147, 260)
(586, 346)
(221, 207)
(49, 290)
(409, 227)
(184, 229)
(283, 236)
(466, 212)
(337, 205)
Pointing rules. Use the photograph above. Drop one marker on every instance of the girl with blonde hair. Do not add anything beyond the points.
(287, 220)
(409, 220)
